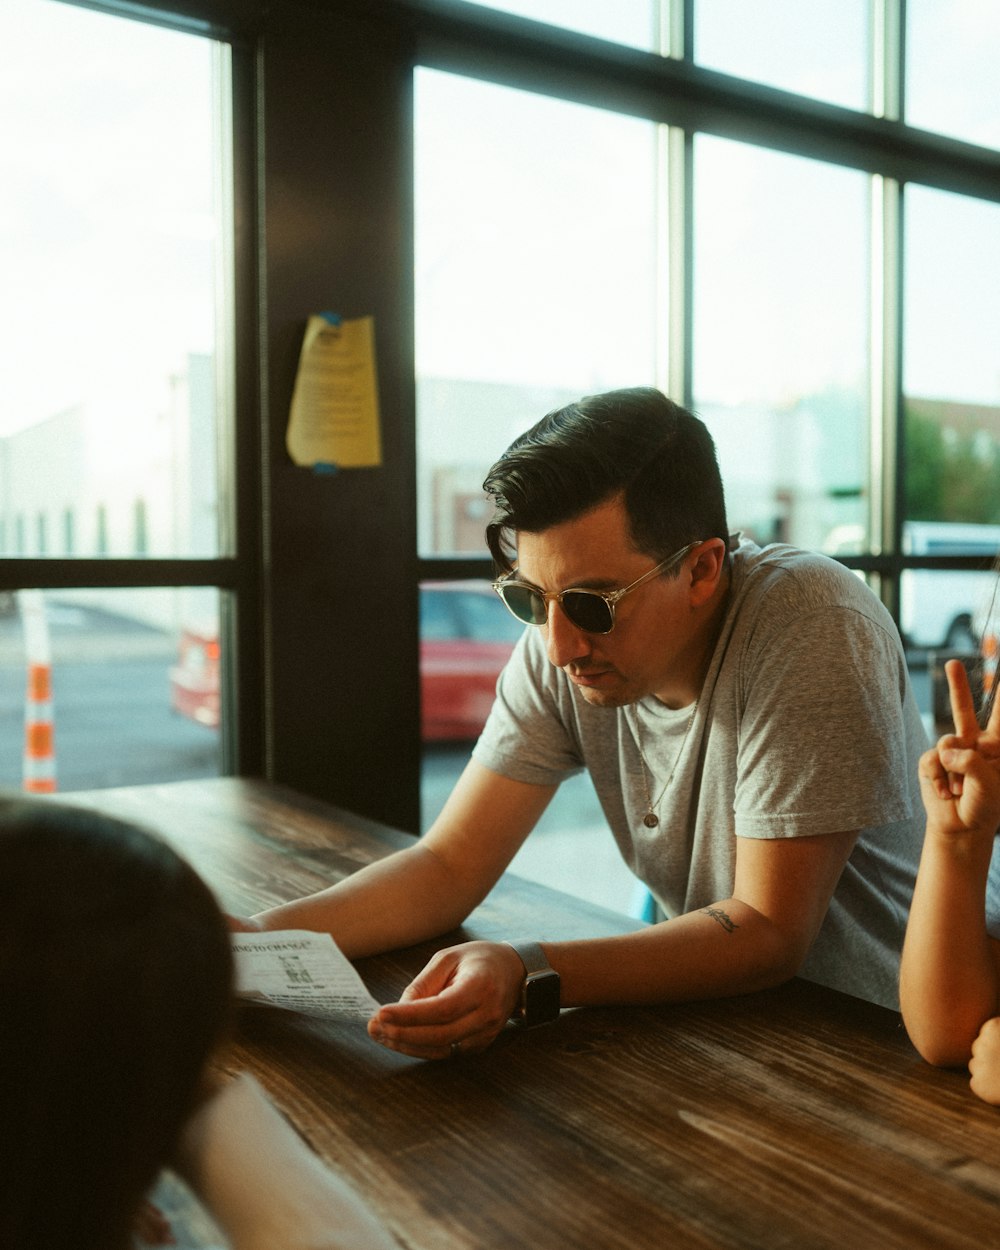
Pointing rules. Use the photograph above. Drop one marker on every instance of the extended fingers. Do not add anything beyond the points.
(963, 707)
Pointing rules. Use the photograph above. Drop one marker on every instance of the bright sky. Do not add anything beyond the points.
(106, 214)
(534, 268)
(537, 240)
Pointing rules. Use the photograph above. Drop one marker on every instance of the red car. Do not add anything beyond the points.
(194, 679)
(466, 637)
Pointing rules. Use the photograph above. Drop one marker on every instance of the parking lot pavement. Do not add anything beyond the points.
(110, 704)
(83, 634)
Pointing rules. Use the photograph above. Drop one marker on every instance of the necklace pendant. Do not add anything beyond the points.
(650, 820)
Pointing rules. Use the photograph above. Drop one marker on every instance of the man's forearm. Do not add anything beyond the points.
(430, 887)
(406, 898)
(727, 948)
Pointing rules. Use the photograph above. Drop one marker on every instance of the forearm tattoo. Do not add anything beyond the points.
(720, 916)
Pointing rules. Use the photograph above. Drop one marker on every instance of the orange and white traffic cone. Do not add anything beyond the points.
(38, 773)
(39, 767)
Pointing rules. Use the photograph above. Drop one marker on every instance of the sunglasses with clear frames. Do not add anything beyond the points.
(593, 611)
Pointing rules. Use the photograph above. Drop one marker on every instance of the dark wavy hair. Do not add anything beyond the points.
(115, 988)
(634, 442)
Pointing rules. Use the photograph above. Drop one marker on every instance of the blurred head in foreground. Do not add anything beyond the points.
(115, 984)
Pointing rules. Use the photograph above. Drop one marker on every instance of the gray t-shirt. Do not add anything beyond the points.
(806, 725)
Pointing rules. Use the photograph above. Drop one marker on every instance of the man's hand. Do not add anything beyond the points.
(458, 1004)
(960, 777)
(984, 1066)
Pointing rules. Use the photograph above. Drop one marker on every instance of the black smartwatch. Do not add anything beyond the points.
(540, 991)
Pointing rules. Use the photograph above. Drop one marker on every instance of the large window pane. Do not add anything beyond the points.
(536, 277)
(781, 339)
(817, 48)
(952, 299)
(115, 269)
(108, 687)
(953, 50)
(951, 380)
(951, 384)
(537, 269)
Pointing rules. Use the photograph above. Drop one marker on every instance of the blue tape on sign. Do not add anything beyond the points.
(325, 468)
(333, 318)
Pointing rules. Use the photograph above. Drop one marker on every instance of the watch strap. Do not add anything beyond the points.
(532, 956)
(540, 988)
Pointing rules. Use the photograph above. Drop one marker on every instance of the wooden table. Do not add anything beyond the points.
(792, 1119)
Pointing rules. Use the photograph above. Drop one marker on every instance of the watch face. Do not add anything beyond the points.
(541, 998)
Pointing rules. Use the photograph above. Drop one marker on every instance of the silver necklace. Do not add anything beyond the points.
(651, 820)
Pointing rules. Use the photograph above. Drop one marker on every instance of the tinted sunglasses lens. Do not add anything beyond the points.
(525, 604)
(588, 612)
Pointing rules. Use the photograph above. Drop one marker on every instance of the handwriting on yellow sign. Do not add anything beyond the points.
(334, 418)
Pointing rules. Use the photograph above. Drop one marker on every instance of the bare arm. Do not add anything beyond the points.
(753, 940)
(756, 939)
(948, 975)
(950, 972)
(262, 1183)
(432, 886)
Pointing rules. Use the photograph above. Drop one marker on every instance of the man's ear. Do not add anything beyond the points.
(707, 571)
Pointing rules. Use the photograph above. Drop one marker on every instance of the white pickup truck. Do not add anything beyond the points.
(939, 608)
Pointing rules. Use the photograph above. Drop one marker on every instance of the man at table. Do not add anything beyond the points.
(746, 717)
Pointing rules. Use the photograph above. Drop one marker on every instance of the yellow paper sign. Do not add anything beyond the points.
(334, 418)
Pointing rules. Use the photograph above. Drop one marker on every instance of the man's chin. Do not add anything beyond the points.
(597, 697)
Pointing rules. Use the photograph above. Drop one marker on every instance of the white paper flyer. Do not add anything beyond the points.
(303, 971)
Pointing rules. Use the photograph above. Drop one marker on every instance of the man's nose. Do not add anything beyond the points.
(566, 644)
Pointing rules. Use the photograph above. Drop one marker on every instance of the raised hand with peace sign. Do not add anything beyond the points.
(960, 777)
(950, 972)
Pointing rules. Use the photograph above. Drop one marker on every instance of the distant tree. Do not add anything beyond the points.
(950, 476)
(923, 474)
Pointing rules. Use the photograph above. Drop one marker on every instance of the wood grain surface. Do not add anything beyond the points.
(795, 1119)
